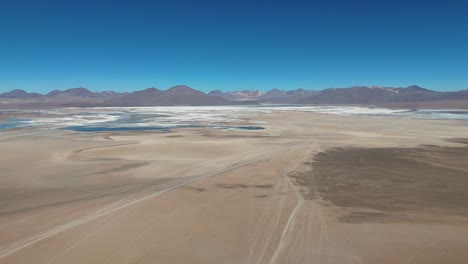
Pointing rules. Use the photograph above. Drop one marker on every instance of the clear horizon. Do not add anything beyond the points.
(241, 45)
(206, 91)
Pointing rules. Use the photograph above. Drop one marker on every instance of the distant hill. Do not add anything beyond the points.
(276, 96)
(80, 92)
(377, 94)
(82, 97)
(184, 95)
(177, 95)
(272, 96)
(139, 98)
(19, 94)
(237, 95)
(409, 97)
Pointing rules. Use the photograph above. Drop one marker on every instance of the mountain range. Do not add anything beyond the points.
(411, 96)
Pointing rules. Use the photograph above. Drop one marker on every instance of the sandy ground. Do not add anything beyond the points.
(311, 188)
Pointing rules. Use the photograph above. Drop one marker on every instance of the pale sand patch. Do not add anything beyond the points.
(207, 196)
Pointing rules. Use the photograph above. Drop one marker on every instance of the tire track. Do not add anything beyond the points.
(286, 234)
(177, 183)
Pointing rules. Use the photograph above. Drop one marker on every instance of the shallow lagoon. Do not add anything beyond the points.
(149, 128)
(220, 117)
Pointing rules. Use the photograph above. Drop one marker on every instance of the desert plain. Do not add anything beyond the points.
(309, 188)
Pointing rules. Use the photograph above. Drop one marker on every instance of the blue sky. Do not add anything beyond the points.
(232, 45)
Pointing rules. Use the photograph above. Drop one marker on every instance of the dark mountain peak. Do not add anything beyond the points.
(177, 95)
(151, 89)
(78, 90)
(373, 95)
(110, 94)
(180, 88)
(18, 93)
(250, 91)
(360, 88)
(73, 92)
(414, 86)
(147, 92)
(275, 90)
(417, 88)
(183, 89)
(300, 90)
(53, 93)
(216, 93)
